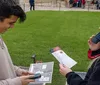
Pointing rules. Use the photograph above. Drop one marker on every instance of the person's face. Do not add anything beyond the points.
(7, 23)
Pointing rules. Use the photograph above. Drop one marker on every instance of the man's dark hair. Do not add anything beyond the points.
(7, 10)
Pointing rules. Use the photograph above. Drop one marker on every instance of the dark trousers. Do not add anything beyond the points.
(32, 6)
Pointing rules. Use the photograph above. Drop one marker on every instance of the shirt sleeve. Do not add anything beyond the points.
(14, 81)
(18, 70)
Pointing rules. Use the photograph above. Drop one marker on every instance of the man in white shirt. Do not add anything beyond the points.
(9, 73)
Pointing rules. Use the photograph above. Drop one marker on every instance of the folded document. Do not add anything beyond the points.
(63, 58)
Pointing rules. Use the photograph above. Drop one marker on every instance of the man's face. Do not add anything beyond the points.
(7, 23)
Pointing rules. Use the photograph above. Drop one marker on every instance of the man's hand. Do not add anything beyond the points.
(25, 72)
(25, 79)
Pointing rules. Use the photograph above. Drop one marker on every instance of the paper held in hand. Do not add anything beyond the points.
(63, 58)
(46, 71)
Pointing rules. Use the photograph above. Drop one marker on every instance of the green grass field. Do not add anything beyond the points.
(44, 30)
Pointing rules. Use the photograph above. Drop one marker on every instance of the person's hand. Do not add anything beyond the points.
(38, 61)
(92, 45)
(64, 69)
(24, 73)
(25, 79)
(56, 48)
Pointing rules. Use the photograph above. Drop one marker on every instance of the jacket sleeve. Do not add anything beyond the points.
(15, 81)
(92, 77)
(75, 79)
(18, 70)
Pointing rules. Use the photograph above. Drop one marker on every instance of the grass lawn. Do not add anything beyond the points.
(44, 30)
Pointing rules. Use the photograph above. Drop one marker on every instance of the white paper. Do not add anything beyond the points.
(63, 58)
(46, 71)
(44, 66)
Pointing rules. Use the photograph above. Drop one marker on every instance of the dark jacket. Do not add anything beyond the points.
(31, 2)
(92, 77)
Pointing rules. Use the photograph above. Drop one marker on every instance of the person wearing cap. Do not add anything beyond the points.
(9, 73)
(93, 74)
